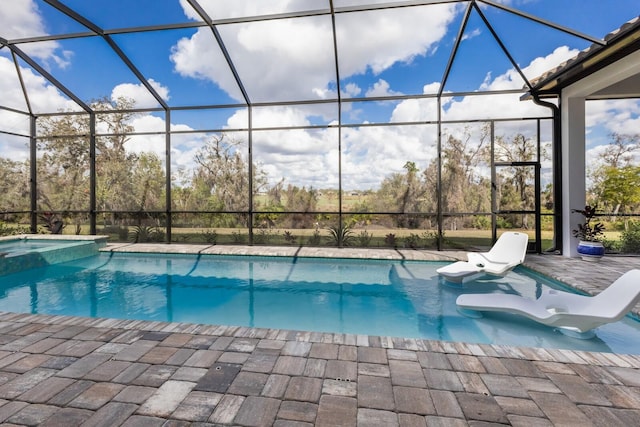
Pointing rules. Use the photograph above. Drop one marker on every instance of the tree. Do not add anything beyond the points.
(515, 185)
(410, 198)
(620, 187)
(463, 188)
(14, 186)
(274, 193)
(125, 180)
(150, 178)
(303, 201)
(615, 181)
(620, 150)
(115, 186)
(63, 167)
(403, 193)
(221, 179)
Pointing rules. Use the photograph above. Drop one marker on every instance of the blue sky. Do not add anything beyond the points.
(401, 51)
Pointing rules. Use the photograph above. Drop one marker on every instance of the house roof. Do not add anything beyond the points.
(616, 45)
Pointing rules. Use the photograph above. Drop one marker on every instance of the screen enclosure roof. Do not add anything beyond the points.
(180, 54)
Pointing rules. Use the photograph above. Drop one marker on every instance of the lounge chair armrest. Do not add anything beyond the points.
(481, 258)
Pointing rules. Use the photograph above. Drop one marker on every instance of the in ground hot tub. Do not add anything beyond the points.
(25, 251)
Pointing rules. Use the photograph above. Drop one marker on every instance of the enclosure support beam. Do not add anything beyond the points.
(439, 217)
(33, 175)
(573, 165)
(167, 160)
(339, 95)
(92, 174)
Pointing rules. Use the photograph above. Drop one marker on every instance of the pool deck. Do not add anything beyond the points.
(65, 371)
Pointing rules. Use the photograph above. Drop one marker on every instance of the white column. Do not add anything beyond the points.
(616, 78)
(573, 169)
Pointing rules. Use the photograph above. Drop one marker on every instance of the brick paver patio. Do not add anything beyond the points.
(66, 371)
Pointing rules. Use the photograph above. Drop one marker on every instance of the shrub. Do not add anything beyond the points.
(502, 222)
(238, 237)
(289, 237)
(263, 236)
(340, 234)
(364, 238)
(314, 239)
(390, 240)
(144, 233)
(612, 246)
(412, 241)
(210, 236)
(481, 222)
(181, 238)
(631, 238)
(431, 238)
(10, 231)
(52, 222)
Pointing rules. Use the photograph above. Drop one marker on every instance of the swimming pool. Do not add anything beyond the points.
(372, 297)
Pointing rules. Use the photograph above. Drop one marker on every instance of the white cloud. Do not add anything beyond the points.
(275, 66)
(381, 88)
(376, 40)
(14, 147)
(541, 65)
(471, 34)
(43, 97)
(140, 94)
(415, 110)
(615, 115)
(279, 116)
(352, 90)
(511, 79)
(496, 106)
(371, 153)
(303, 158)
(200, 57)
(388, 148)
(183, 145)
(243, 8)
(22, 19)
(604, 117)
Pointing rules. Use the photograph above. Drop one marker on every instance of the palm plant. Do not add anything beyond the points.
(341, 234)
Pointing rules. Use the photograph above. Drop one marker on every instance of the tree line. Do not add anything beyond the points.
(131, 184)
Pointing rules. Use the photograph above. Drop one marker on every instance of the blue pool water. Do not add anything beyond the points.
(389, 298)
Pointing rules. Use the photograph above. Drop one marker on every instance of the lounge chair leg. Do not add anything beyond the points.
(473, 314)
(451, 283)
(577, 334)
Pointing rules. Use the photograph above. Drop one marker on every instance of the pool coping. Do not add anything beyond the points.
(68, 370)
(580, 357)
(78, 237)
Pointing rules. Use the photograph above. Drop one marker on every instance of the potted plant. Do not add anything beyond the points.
(590, 246)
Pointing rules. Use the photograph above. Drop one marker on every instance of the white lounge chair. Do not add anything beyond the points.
(574, 315)
(508, 252)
